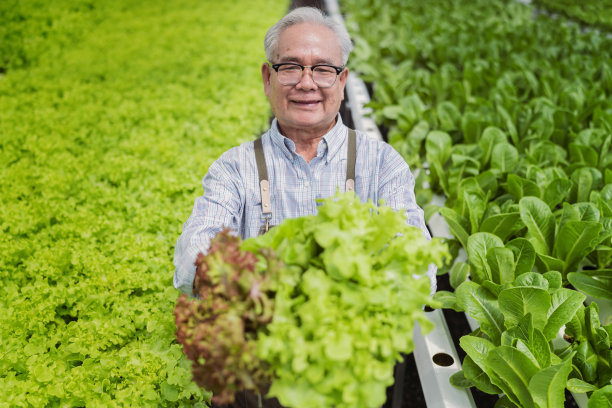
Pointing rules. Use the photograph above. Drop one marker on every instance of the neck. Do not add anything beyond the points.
(306, 140)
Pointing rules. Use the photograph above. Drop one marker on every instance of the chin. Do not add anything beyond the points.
(310, 120)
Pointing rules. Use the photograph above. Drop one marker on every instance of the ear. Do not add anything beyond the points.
(342, 80)
(265, 76)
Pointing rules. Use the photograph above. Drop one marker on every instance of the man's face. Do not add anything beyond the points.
(305, 106)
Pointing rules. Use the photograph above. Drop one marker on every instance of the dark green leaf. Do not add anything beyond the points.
(463, 166)
(522, 331)
(602, 256)
(488, 182)
(458, 380)
(603, 275)
(539, 346)
(557, 191)
(494, 288)
(592, 325)
(504, 158)
(520, 187)
(476, 204)
(504, 402)
(575, 240)
(540, 223)
(548, 385)
(585, 180)
(472, 125)
(478, 246)
(449, 116)
(438, 147)
(583, 154)
(447, 299)
(531, 279)
(602, 398)
(481, 305)
(477, 348)
(555, 280)
(563, 307)
(501, 263)
(478, 377)
(586, 361)
(524, 255)
(419, 132)
(502, 225)
(491, 137)
(549, 263)
(456, 224)
(458, 274)
(579, 386)
(513, 371)
(391, 111)
(509, 122)
(516, 302)
(603, 204)
(587, 211)
(570, 213)
(575, 327)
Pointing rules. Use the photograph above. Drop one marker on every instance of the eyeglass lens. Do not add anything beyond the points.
(322, 76)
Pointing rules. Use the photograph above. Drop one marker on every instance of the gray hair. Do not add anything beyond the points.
(307, 15)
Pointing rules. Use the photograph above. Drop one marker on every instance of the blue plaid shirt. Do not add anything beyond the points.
(232, 198)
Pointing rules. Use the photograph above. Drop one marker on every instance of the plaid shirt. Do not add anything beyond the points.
(232, 198)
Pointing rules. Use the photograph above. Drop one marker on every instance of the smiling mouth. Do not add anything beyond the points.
(306, 103)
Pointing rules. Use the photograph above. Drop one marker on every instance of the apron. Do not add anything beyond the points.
(248, 399)
(264, 184)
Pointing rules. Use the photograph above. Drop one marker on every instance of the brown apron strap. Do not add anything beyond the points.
(350, 160)
(264, 183)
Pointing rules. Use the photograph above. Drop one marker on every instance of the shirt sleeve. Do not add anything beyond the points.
(219, 207)
(396, 187)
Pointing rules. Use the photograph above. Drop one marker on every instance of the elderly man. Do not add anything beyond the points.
(308, 153)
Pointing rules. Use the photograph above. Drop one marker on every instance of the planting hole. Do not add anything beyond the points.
(443, 359)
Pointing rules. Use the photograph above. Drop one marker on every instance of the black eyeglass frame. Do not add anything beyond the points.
(339, 70)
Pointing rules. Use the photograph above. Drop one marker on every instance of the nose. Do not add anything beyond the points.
(306, 81)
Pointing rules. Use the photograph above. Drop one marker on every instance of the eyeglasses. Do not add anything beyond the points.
(323, 75)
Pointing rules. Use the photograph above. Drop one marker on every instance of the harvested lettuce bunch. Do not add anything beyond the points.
(352, 287)
(321, 306)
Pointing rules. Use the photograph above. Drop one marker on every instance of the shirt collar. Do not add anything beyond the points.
(328, 147)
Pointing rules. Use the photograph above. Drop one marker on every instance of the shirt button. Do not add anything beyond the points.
(307, 184)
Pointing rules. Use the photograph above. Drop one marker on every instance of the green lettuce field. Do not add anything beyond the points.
(110, 114)
(508, 109)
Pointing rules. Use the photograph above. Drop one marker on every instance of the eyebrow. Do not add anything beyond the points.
(297, 60)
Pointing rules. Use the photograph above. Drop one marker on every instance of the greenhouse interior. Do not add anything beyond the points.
(113, 112)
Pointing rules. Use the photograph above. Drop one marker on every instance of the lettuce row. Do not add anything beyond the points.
(110, 114)
(590, 13)
(514, 131)
(516, 351)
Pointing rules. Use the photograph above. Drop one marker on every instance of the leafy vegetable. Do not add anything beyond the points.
(590, 12)
(219, 329)
(512, 350)
(520, 152)
(353, 287)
